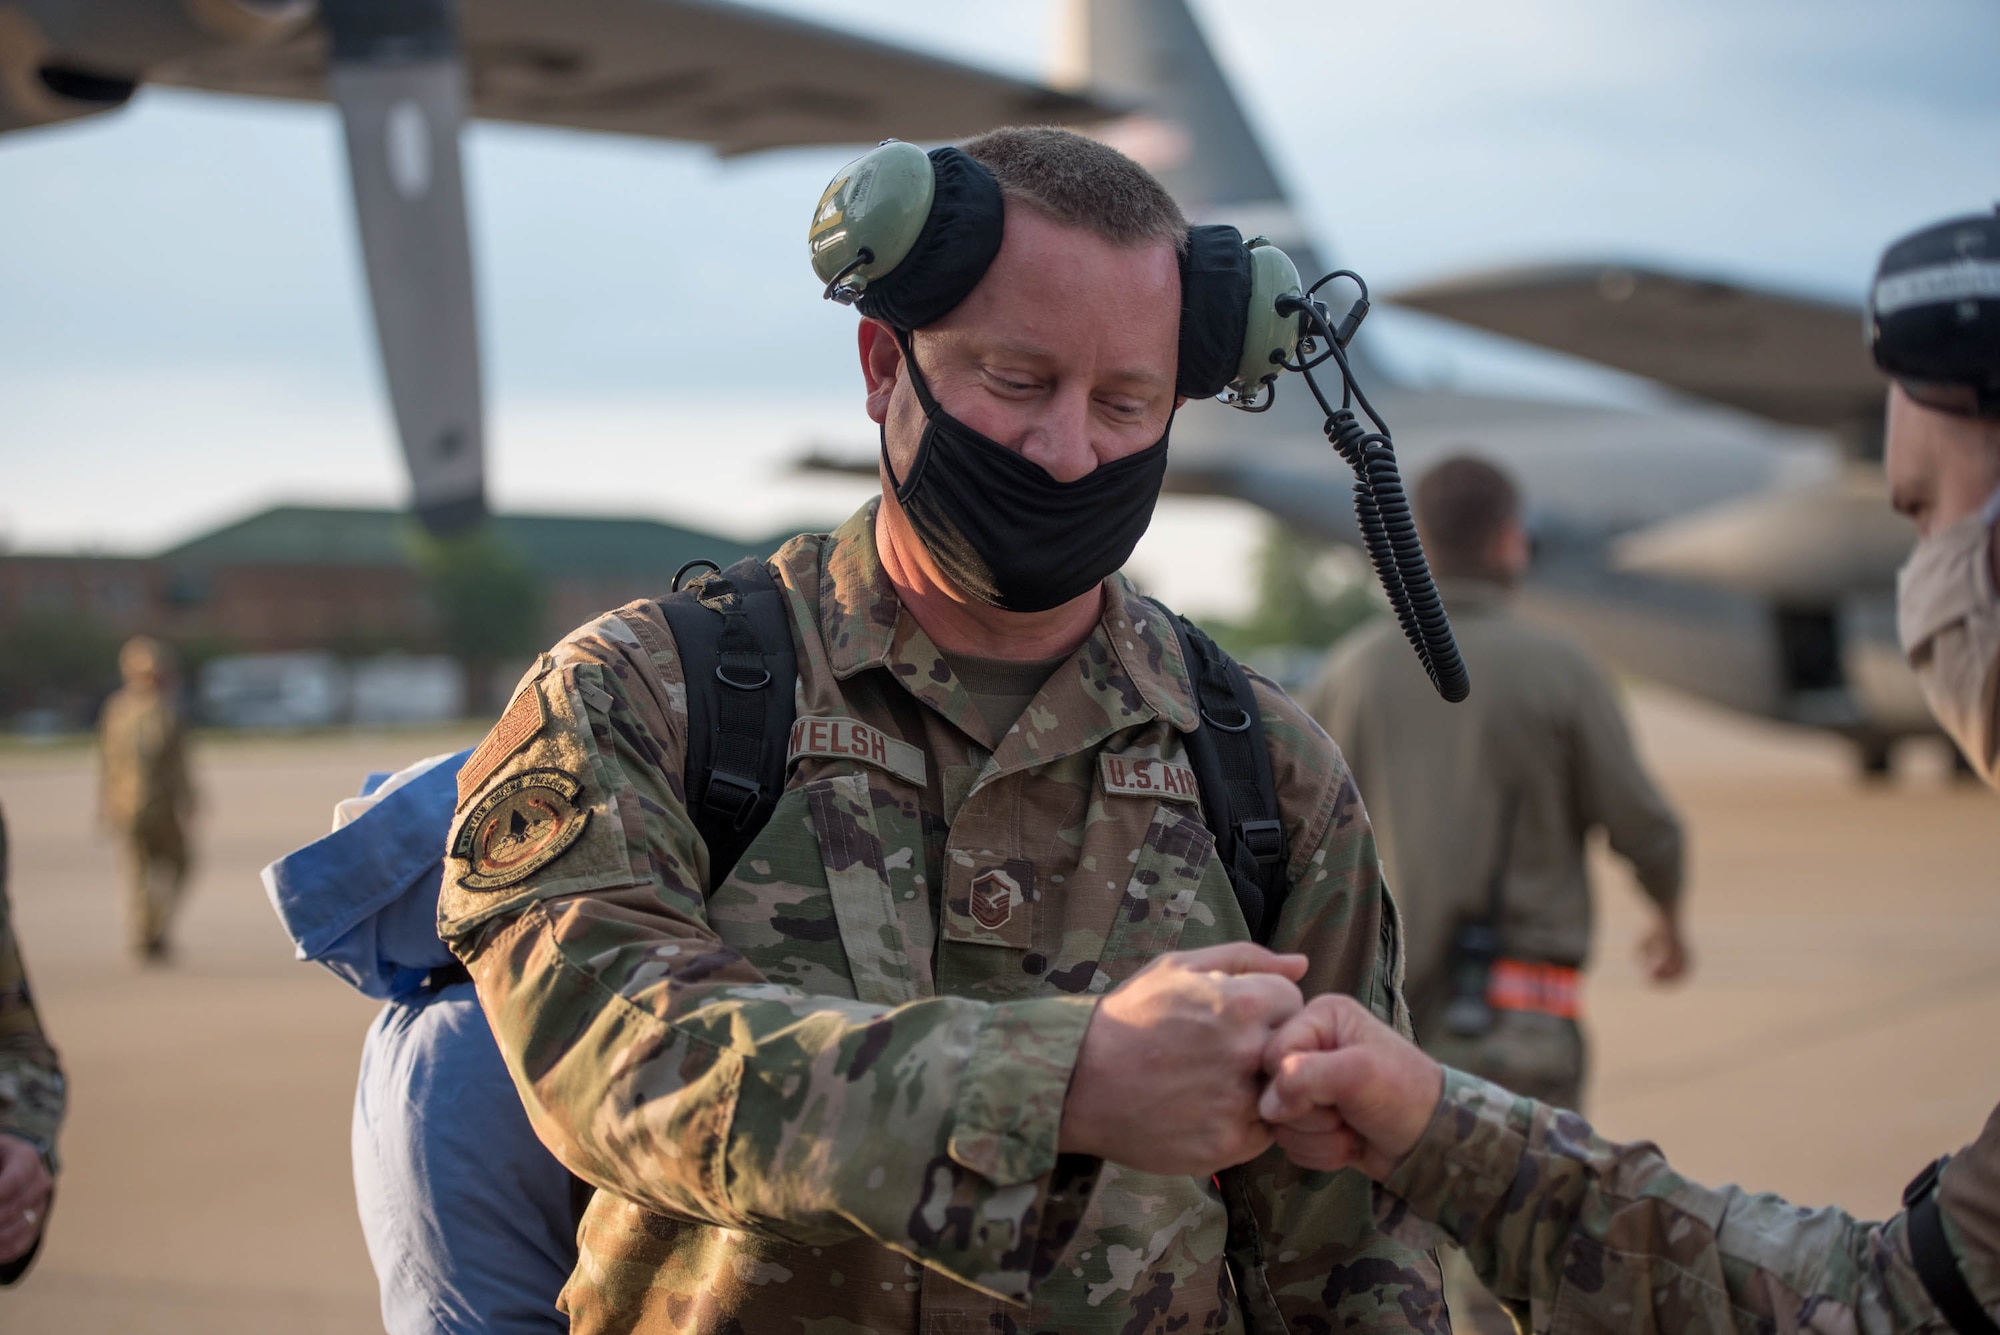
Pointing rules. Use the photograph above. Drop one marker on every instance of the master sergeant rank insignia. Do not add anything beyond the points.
(522, 825)
(994, 894)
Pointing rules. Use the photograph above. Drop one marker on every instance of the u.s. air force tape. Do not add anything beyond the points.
(520, 826)
(1137, 776)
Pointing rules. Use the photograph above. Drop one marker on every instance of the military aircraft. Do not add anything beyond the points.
(1733, 544)
(1736, 543)
(405, 74)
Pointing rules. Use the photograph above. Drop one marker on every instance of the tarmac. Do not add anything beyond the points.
(1835, 1036)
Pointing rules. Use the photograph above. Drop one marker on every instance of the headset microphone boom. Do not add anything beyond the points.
(904, 235)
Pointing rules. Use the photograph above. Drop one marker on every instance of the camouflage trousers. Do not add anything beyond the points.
(1542, 1056)
(156, 868)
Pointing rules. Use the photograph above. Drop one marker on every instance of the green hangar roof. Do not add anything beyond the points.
(557, 545)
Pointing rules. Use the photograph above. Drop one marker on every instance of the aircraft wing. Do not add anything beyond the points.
(1589, 472)
(706, 71)
(1790, 359)
(1803, 546)
(405, 74)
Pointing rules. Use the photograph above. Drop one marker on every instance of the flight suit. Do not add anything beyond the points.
(146, 800)
(826, 1094)
(1584, 1236)
(32, 1093)
(1509, 783)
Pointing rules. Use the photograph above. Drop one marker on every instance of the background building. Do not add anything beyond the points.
(347, 587)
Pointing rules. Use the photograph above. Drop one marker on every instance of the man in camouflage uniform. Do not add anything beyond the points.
(146, 797)
(1579, 1234)
(970, 1038)
(31, 1104)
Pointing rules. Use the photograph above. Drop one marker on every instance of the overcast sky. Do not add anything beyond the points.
(183, 334)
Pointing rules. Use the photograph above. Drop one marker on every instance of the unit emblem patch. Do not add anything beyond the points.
(994, 894)
(522, 825)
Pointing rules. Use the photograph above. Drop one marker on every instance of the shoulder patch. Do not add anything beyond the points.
(525, 823)
(517, 727)
(1134, 776)
(834, 738)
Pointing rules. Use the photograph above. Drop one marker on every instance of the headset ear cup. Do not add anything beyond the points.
(1270, 338)
(869, 217)
(904, 235)
(951, 254)
(1215, 308)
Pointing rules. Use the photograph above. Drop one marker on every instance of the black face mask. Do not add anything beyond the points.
(1002, 529)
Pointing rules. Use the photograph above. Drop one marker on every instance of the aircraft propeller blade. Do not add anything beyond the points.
(399, 80)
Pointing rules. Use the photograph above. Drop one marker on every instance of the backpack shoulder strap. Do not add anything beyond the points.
(1937, 1266)
(735, 644)
(1232, 767)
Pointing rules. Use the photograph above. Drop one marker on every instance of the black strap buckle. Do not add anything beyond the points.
(731, 795)
(1265, 839)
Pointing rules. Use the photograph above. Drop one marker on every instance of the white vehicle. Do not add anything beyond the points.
(402, 689)
(286, 691)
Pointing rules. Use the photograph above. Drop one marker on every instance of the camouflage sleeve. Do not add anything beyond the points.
(31, 1079)
(1308, 1246)
(1594, 1236)
(664, 1066)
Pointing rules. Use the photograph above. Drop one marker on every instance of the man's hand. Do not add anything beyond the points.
(1167, 1079)
(1347, 1090)
(24, 1196)
(1663, 950)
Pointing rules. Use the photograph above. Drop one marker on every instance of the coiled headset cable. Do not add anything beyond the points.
(1388, 529)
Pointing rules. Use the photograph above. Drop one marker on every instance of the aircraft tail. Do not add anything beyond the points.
(1189, 129)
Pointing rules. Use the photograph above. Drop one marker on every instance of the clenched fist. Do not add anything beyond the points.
(1170, 1069)
(1347, 1090)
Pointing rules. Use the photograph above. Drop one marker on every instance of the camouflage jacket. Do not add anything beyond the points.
(826, 1094)
(143, 760)
(31, 1080)
(1584, 1235)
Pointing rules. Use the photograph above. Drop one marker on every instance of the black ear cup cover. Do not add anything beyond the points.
(952, 252)
(1215, 310)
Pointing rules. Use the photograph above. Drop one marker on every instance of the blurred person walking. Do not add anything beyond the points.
(146, 797)
(32, 1099)
(1483, 810)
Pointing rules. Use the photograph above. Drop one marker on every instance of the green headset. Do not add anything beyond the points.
(904, 236)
